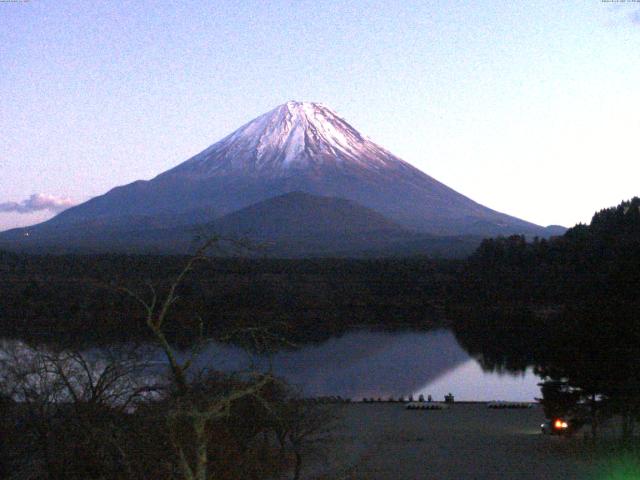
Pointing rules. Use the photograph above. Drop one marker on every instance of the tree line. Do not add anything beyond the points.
(567, 306)
(51, 297)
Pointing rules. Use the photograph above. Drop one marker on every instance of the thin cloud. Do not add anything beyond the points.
(36, 203)
(635, 17)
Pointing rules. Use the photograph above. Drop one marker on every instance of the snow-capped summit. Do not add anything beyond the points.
(292, 136)
(299, 147)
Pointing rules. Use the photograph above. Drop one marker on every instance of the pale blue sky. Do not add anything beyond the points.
(531, 108)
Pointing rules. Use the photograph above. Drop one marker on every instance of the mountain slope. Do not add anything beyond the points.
(297, 147)
(299, 224)
(292, 225)
(299, 214)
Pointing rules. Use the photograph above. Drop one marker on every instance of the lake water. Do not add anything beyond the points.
(365, 364)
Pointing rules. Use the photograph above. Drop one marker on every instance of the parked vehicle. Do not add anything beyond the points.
(560, 426)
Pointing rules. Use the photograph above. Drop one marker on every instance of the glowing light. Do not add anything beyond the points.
(559, 424)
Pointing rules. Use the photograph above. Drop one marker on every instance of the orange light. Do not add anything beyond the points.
(559, 424)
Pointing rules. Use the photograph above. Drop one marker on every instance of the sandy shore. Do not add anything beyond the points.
(468, 441)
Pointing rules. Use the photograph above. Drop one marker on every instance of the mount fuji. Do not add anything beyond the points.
(298, 147)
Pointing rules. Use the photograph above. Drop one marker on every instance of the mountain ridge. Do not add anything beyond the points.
(296, 147)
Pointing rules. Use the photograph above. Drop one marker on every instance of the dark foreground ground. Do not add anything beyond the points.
(468, 441)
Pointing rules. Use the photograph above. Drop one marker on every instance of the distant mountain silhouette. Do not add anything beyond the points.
(301, 214)
(300, 224)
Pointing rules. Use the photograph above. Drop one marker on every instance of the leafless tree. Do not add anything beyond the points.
(303, 427)
(66, 395)
(190, 406)
(113, 413)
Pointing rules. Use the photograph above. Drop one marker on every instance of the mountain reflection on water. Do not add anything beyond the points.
(365, 364)
(359, 364)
